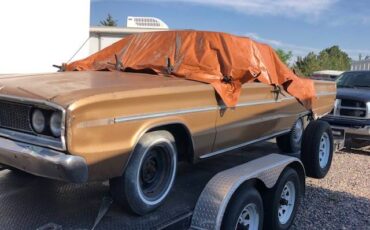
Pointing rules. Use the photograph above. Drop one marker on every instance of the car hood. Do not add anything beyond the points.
(359, 94)
(67, 87)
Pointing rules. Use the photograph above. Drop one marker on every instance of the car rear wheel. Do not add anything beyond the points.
(291, 142)
(317, 149)
(149, 175)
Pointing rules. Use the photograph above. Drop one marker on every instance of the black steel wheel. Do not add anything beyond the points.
(155, 172)
(149, 175)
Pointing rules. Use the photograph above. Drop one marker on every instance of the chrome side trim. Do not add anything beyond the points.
(326, 94)
(95, 123)
(193, 110)
(260, 102)
(244, 144)
(37, 140)
(164, 114)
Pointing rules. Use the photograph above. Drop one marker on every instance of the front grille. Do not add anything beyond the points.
(352, 108)
(352, 113)
(15, 116)
(353, 103)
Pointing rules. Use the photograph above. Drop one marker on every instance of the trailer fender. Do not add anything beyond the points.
(212, 203)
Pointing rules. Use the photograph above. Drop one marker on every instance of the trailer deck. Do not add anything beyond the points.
(32, 202)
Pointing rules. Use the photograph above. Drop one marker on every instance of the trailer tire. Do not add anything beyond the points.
(317, 149)
(292, 141)
(245, 209)
(281, 202)
(149, 175)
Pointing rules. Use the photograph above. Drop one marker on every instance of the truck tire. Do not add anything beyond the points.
(281, 202)
(244, 211)
(317, 149)
(149, 175)
(292, 141)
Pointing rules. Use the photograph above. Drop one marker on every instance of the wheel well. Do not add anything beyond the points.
(257, 184)
(184, 143)
(261, 187)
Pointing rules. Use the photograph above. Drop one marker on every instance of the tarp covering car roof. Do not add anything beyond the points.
(225, 61)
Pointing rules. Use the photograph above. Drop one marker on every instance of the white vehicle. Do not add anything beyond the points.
(327, 75)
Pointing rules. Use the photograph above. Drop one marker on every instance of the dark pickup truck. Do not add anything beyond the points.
(351, 112)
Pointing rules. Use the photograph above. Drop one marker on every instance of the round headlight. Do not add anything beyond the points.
(38, 121)
(56, 124)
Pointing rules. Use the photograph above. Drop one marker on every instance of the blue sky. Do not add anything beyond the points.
(297, 25)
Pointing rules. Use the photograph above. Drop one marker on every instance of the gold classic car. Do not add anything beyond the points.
(133, 128)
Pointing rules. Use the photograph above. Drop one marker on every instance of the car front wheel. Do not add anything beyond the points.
(149, 175)
(317, 149)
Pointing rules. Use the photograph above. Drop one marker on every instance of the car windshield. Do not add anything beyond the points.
(354, 80)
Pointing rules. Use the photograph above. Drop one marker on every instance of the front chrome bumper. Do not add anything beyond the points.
(357, 128)
(43, 161)
(362, 133)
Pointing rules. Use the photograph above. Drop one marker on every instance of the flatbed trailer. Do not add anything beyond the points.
(203, 195)
(29, 202)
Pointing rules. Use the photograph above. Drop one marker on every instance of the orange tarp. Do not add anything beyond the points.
(220, 59)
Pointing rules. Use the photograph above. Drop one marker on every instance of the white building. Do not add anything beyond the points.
(35, 34)
(361, 65)
(103, 36)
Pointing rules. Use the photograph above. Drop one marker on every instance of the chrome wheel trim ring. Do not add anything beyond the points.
(287, 202)
(298, 131)
(324, 150)
(248, 218)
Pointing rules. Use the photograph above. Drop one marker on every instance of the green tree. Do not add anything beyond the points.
(332, 58)
(308, 64)
(284, 56)
(109, 21)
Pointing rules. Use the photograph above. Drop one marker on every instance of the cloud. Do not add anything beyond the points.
(297, 50)
(290, 8)
(302, 51)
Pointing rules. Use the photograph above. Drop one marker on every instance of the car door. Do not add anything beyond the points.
(261, 112)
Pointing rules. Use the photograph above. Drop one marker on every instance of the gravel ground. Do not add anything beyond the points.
(342, 199)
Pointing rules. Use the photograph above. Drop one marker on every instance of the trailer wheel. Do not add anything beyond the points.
(317, 149)
(149, 175)
(291, 142)
(281, 202)
(245, 211)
